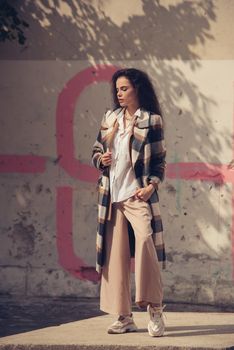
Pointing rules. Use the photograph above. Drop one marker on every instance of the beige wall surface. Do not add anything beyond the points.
(54, 91)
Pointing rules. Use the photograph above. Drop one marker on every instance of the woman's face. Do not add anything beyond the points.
(126, 93)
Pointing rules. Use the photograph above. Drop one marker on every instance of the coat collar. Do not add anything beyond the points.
(114, 115)
(139, 132)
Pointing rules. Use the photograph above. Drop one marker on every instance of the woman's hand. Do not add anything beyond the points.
(145, 193)
(106, 158)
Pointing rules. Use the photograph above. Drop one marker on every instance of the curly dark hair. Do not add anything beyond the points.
(146, 94)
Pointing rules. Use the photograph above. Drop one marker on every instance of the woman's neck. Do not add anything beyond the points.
(131, 109)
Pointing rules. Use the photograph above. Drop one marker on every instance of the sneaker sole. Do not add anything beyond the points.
(124, 330)
(158, 334)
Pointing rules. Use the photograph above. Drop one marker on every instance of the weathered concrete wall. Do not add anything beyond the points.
(54, 91)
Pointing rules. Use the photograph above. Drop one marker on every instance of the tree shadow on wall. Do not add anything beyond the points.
(151, 39)
(11, 25)
(78, 30)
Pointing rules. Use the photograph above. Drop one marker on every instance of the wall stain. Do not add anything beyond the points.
(170, 189)
(23, 237)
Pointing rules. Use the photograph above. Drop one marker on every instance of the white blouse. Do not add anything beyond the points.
(123, 183)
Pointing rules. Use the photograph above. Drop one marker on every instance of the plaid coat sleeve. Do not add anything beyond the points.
(97, 153)
(98, 149)
(158, 151)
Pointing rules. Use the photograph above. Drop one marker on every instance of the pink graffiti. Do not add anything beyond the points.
(67, 101)
(22, 164)
(218, 173)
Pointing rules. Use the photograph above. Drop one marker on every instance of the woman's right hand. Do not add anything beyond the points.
(106, 158)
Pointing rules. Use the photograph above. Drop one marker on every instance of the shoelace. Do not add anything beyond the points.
(122, 318)
(158, 311)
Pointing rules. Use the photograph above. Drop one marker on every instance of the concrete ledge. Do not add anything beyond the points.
(185, 330)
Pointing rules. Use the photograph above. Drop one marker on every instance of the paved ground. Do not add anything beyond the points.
(70, 323)
(19, 315)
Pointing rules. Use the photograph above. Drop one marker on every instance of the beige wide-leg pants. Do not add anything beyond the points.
(115, 292)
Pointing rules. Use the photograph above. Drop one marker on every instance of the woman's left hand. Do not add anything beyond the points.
(144, 193)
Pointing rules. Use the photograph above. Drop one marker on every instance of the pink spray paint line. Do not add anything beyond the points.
(218, 173)
(22, 164)
(65, 150)
(67, 258)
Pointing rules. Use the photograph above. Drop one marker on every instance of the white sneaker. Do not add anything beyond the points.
(156, 324)
(124, 324)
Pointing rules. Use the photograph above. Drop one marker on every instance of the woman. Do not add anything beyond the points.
(130, 153)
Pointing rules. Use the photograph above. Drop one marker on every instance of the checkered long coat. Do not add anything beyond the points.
(147, 153)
